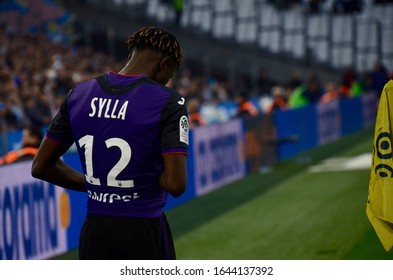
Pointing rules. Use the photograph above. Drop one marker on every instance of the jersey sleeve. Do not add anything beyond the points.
(174, 126)
(60, 129)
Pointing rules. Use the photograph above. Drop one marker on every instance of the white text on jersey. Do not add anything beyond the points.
(181, 102)
(108, 110)
(111, 197)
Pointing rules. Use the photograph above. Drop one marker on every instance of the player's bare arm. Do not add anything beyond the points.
(48, 166)
(174, 177)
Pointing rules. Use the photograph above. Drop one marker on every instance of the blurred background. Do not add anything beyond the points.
(272, 88)
(261, 49)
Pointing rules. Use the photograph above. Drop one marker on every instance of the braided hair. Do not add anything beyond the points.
(157, 39)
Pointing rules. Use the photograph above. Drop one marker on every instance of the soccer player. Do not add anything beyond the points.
(131, 133)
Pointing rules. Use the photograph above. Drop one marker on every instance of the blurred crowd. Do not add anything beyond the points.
(219, 99)
(36, 73)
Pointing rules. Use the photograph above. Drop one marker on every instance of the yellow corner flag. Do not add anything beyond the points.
(380, 194)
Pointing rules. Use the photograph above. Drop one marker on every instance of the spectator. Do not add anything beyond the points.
(345, 91)
(295, 80)
(36, 108)
(264, 83)
(31, 140)
(297, 99)
(379, 77)
(178, 6)
(351, 85)
(279, 99)
(12, 114)
(330, 94)
(357, 88)
(313, 90)
(245, 106)
(349, 76)
(195, 117)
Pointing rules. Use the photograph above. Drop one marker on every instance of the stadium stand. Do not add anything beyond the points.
(333, 35)
(227, 43)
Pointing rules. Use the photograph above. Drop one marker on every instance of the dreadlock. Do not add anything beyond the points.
(157, 39)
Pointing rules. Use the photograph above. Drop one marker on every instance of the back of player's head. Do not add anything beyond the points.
(157, 39)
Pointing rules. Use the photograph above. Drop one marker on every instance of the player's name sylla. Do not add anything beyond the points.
(108, 108)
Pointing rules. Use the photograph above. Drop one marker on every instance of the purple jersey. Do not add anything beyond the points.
(122, 125)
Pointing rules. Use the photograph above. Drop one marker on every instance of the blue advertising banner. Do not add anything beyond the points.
(370, 102)
(190, 187)
(78, 202)
(328, 126)
(296, 131)
(34, 215)
(219, 155)
(351, 114)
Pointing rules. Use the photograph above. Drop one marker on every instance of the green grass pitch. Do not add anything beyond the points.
(288, 214)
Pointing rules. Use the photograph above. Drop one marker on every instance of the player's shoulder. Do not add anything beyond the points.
(86, 82)
(171, 93)
(80, 87)
(160, 86)
(175, 98)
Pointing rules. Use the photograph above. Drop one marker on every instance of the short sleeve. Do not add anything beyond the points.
(174, 126)
(60, 129)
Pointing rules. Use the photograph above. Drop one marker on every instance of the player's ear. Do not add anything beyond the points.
(165, 63)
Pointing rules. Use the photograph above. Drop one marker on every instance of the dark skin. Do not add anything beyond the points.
(48, 166)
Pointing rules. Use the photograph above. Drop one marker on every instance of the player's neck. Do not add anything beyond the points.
(144, 62)
(127, 75)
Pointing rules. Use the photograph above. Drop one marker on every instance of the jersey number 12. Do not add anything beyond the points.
(125, 157)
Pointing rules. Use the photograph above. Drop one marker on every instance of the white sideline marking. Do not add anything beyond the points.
(359, 162)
